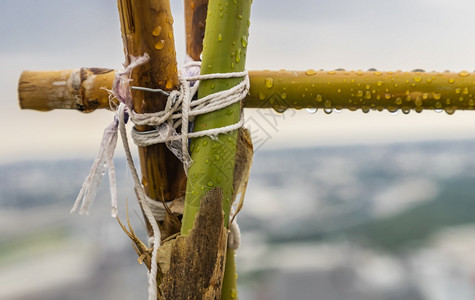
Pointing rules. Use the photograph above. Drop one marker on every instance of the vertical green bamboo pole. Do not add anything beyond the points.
(224, 51)
(225, 45)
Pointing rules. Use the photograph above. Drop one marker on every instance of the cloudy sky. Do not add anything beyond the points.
(303, 34)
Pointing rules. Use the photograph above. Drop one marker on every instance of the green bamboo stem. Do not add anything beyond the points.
(289, 89)
(354, 90)
(225, 44)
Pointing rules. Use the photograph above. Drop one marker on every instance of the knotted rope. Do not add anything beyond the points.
(180, 110)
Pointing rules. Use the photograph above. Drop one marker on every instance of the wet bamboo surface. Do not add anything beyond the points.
(353, 90)
(146, 27)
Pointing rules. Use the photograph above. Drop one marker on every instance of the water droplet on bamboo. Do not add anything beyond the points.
(238, 55)
(244, 41)
(269, 82)
(310, 72)
(465, 91)
(160, 44)
(379, 83)
(367, 95)
(417, 78)
(311, 110)
(220, 37)
(464, 74)
(418, 101)
(437, 96)
(451, 80)
(398, 101)
(450, 111)
(328, 110)
(319, 98)
(157, 31)
(169, 84)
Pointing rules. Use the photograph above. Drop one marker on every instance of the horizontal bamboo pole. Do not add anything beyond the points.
(79, 89)
(371, 90)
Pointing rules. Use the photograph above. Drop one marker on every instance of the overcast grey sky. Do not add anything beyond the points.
(328, 34)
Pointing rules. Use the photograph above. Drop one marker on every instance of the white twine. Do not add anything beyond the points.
(179, 110)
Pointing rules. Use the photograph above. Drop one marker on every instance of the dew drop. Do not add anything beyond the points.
(157, 31)
(429, 80)
(283, 96)
(464, 74)
(417, 78)
(280, 110)
(328, 110)
(438, 110)
(244, 41)
(269, 82)
(331, 72)
(379, 83)
(220, 37)
(160, 44)
(327, 103)
(310, 72)
(387, 96)
(237, 58)
(359, 93)
(368, 95)
(169, 84)
(398, 101)
(406, 110)
(365, 109)
(418, 101)
(425, 96)
(437, 96)
(438, 104)
(311, 110)
(359, 73)
(457, 90)
(210, 183)
(451, 80)
(319, 98)
(377, 73)
(450, 111)
(465, 91)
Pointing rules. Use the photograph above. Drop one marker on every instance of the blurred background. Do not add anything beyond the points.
(341, 206)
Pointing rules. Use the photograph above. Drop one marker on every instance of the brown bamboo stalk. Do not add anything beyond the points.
(147, 28)
(300, 89)
(195, 23)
